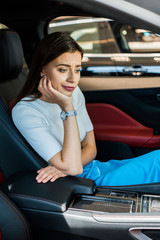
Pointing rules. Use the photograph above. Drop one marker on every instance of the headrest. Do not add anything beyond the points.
(11, 55)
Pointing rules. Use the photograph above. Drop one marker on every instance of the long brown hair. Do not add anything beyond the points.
(49, 48)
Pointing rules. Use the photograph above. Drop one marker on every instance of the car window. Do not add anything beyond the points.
(140, 40)
(2, 26)
(94, 35)
(116, 55)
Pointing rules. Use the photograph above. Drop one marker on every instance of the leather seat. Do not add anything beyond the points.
(13, 70)
(13, 224)
(19, 163)
(16, 155)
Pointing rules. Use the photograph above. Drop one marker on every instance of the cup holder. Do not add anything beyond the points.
(108, 201)
(150, 203)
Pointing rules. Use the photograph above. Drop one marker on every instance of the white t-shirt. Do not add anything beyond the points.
(40, 123)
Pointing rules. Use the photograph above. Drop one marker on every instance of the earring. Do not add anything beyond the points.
(41, 75)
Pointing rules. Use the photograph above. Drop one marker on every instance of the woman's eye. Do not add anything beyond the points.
(62, 70)
(77, 70)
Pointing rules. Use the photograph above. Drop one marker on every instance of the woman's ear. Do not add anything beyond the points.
(41, 74)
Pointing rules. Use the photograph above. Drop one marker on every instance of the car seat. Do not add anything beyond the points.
(15, 153)
(13, 69)
(19, 163)
(13, 224)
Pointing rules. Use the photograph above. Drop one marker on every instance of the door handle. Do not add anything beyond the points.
(137, 232)
(135, 70)
(158, 96)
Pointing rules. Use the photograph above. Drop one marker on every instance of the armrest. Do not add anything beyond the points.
(27, 193)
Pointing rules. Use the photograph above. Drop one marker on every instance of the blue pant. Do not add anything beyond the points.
(138, 170)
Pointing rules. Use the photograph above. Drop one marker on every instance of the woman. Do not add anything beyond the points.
(51, 114)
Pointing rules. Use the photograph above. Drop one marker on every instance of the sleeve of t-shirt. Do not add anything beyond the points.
(82, 111)
(35, 129)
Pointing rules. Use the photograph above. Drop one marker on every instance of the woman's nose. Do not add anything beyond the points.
(72, 76)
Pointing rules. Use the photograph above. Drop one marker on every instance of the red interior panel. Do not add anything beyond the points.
(112, 124)
(1, 177)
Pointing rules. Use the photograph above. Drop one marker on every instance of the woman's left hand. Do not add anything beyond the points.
(49, 173)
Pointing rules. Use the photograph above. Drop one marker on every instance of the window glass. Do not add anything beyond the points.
(2, 26)
(140, 40)
(116, 55)
(92, 34)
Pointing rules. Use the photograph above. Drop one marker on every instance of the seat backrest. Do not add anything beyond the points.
(13, 69)
(15, 153)
(13, 224)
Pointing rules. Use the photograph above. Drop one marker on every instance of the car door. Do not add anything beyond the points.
(120, 80)
(121, 86)
(124, 108)
(122, 99)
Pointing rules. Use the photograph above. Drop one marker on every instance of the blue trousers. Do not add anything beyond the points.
(138, 170)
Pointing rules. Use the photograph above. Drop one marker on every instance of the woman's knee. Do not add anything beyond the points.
(156, 152)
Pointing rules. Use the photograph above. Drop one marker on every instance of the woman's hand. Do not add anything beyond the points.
(52, 95)
(49, 173)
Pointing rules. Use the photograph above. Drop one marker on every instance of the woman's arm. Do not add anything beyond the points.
(69, 159)
(74, 155)
(88, 153)
(88, 150)
(88, 146)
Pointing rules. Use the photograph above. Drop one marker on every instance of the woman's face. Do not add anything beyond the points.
(64, 72)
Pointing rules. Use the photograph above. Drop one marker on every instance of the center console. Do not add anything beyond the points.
(113, 201)
(73, 205)
(81, 194)
(108, 201)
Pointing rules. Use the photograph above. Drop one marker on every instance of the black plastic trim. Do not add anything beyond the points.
(24, 190)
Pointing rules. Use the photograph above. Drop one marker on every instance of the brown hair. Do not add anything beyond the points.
(49, 48)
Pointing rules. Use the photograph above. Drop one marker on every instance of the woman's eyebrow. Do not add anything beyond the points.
(67, 65)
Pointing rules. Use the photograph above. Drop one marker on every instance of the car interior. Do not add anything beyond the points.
(73, 207)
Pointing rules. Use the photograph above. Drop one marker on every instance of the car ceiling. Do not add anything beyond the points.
(29, 17)
(144, 12)
(141, 12)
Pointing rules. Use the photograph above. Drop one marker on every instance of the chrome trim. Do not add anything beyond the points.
(150, 203)
(67, 22)
(127, 218)
(104, 55)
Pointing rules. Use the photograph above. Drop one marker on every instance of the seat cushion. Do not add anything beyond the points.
(13, 224)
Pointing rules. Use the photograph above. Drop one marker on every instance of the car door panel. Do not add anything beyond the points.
(143, 106)
(138, 64)
(131, 117)
(117, 126)
(1, 177)
(114, 83)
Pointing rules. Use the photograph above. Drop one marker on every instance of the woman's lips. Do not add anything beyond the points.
(68, 88)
